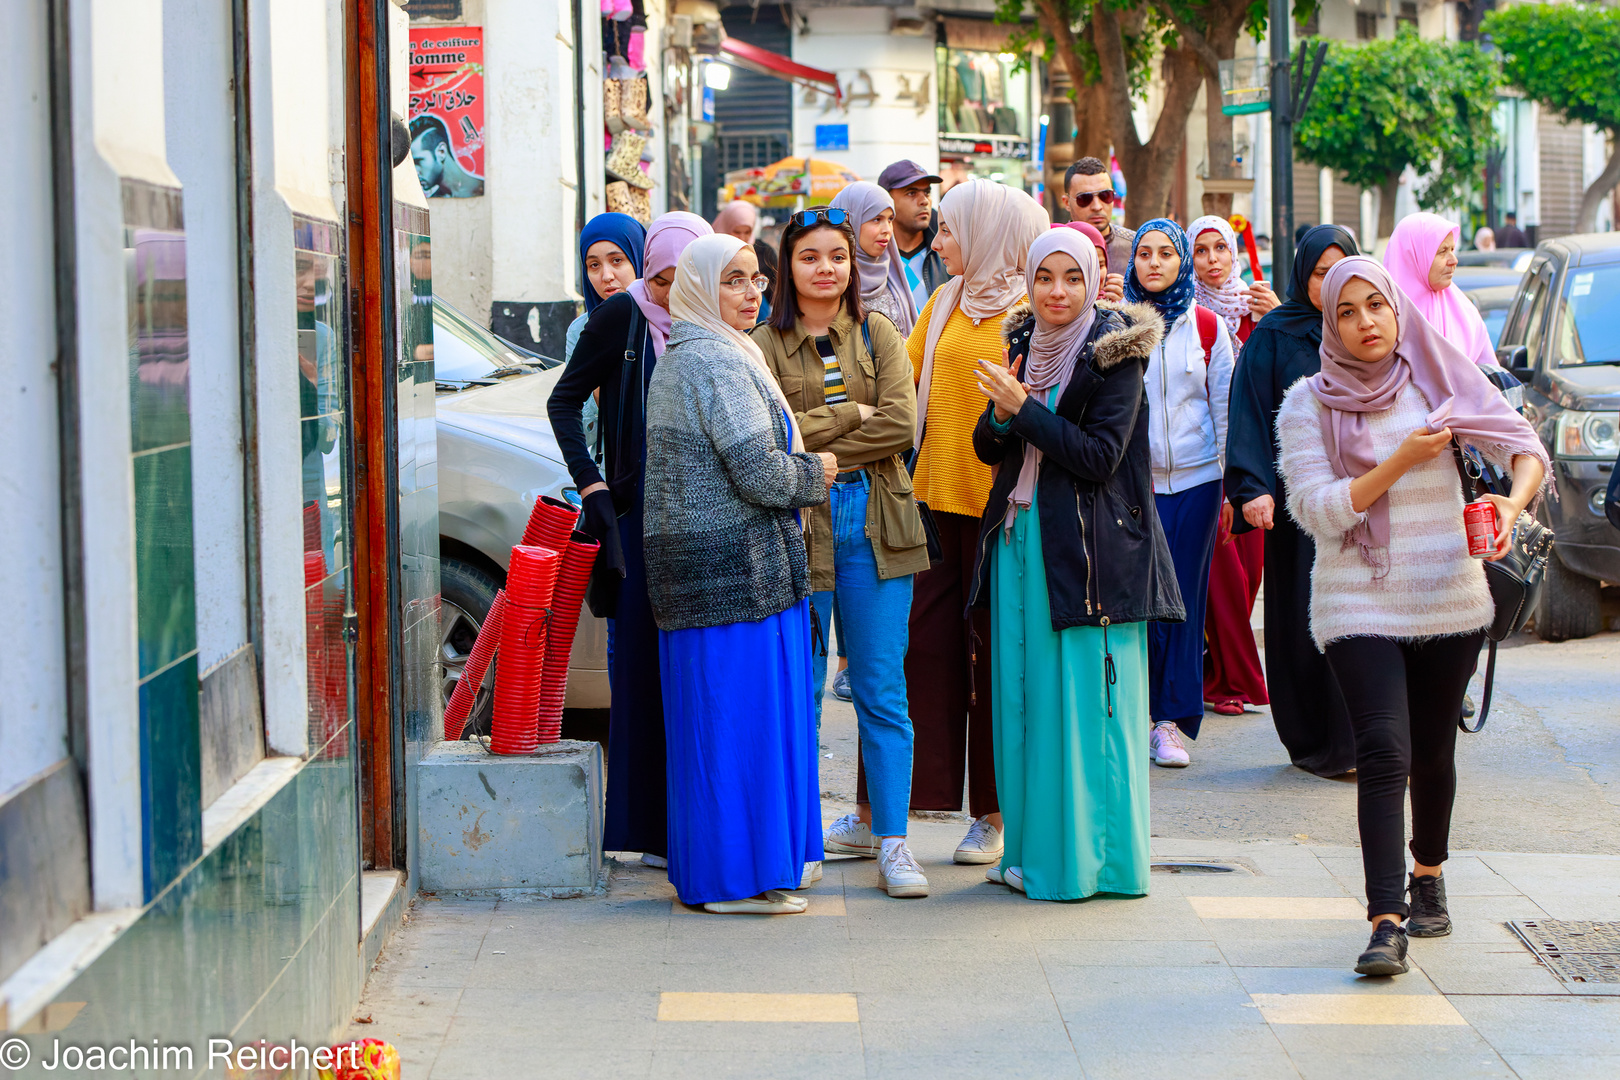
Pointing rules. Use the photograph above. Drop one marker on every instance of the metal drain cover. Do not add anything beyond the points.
(1192, 868)
(1583, 952)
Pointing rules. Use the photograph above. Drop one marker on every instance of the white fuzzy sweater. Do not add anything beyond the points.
(1434, 587)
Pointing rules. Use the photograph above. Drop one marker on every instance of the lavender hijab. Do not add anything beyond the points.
(1053, 348)
(1459, 396)
(864, 201)
(666, 239)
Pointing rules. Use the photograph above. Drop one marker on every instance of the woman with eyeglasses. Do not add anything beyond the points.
(630, 325)
(728, 478)
(847, 377)
(985, 230)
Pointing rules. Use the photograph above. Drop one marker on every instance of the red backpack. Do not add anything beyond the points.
(1207, 331)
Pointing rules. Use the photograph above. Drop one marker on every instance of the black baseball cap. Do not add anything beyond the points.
(904, 174)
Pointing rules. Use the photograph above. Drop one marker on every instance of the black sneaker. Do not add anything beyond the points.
(1386, 951)
(1429, 917)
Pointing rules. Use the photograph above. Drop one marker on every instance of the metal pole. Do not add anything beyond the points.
(1282, 149)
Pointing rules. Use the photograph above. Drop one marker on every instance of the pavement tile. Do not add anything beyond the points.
(992, 968)
(422, 1017)
(1502, 968)
(1286, 930)
(536, 1060)
(1274, 1065)
(675, 1006)
(1106, 1036)
(1383, 1041)
(1315, 883)
(752, 1038)
(1416, 1064)
(1580, 905)
(708, 1064)
(1329, 980)
(1469, 875)
(591, 968)
(932, 1036)
(1338, 950)
(810, 972)
(1537, 1025)
(1170, 985)
(1277, 907)
(1381, 1010)
(1011, 1063)
(963, 1008)
(1056, 954)
(1565, 1066)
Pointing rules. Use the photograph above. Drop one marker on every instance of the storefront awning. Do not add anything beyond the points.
(778, 66)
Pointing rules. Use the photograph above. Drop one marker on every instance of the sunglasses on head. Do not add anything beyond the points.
(1085, 197)
(830, 214)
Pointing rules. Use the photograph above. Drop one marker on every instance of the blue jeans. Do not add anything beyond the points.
(872, 618)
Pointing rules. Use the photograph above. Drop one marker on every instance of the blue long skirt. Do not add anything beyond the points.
(740, 737)
(635, 818)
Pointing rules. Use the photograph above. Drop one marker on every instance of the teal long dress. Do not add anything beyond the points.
(1073, 781)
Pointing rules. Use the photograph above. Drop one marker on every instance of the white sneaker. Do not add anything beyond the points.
(849, 835)
(811, 875)
(650, 859)
(1165, 746)
(1012, 877)
(901, 874)
(982, 844)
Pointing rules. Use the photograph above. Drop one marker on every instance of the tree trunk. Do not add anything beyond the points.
(1386, 210)
(1587, 221)
(1218, 135)
(1090, 112)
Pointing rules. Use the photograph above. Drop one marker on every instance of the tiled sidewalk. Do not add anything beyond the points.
(1241, 975)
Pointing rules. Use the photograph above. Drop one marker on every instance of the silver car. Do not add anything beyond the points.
(497, 455)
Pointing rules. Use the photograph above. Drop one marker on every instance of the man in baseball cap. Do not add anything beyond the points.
(911, 188)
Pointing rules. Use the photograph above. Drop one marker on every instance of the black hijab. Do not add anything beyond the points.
(1297, 315)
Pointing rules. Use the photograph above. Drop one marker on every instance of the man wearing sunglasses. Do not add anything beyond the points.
(911, 187)
(1088, 195)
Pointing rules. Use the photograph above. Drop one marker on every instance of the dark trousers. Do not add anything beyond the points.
(948, 681)
(1176, 650)
(1404, 700)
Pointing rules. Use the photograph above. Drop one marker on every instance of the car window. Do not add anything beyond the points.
(463, 350)
(1538, 308)
(1519, 313)
(1495, 319)
(1586, 326)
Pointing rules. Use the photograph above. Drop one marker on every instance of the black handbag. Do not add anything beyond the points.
(1515, 579)
(936, 550)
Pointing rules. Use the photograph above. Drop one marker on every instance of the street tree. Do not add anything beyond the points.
(1567, 57)
(1384, 105)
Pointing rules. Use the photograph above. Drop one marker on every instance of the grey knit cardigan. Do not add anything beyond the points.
(723, 543)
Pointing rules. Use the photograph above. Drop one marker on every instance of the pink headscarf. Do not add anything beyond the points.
(666, 239)
(735, 214)
(1460, 397)
(1053, 348)
(994, 226)
(1412, 247)
(1090, 232)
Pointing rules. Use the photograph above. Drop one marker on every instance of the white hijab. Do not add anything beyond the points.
(695, 298)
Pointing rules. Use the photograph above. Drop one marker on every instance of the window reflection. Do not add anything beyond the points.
(322, 410)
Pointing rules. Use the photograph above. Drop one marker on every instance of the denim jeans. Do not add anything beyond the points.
(872, 618)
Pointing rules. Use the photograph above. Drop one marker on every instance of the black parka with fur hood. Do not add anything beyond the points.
(1106, 557)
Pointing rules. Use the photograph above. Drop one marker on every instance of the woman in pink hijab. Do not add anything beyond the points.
(1422, 257)
(632, 324)
(1110, 287)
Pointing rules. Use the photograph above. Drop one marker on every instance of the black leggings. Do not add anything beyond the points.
(1405, 700)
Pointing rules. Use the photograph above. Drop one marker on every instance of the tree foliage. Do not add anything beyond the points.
(1565, 56)
(1383, 105)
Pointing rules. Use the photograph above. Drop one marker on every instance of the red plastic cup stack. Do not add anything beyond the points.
(551, 523)
(567, 598)
(474, 670)
(531, 579)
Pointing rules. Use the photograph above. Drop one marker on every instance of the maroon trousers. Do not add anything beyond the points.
(948, 681)
(1233, 671)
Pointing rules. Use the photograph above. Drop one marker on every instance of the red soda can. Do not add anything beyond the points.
(1479, 520)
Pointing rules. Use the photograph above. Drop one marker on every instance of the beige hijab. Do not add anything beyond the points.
(994, 225)
(695, 298)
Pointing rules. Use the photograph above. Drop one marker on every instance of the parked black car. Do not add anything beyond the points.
(1562, 339)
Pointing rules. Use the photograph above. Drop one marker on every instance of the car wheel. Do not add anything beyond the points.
(1571, 604)
(466, 594)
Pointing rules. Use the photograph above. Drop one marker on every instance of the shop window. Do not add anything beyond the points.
(1408, 16)
(323, 412)
(984, 114)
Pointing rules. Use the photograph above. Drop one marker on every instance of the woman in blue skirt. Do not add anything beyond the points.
(728, 578)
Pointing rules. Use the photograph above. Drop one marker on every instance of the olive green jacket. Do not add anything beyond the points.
(884, 381)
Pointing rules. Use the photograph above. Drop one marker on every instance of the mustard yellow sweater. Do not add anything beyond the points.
(950, 479)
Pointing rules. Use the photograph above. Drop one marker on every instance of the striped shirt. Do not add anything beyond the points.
(833, 390)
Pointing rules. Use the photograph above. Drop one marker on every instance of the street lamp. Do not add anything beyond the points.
(716, 76)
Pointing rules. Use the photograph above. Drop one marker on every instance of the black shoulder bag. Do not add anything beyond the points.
(1516, 578)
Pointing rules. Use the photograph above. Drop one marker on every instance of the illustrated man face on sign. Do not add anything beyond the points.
(436, 165)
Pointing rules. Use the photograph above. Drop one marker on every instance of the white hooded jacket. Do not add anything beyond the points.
(1186, 402)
